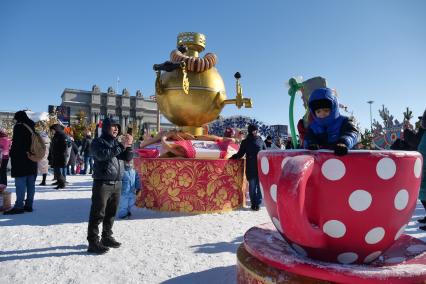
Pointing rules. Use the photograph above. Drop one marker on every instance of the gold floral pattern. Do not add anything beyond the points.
(168, 176)
(184, 180)
(190, 185)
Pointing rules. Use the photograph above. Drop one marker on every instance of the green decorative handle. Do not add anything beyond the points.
(294, 88)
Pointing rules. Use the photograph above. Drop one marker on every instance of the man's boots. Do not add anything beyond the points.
(97, 248)
(110, 242)
(61, 182)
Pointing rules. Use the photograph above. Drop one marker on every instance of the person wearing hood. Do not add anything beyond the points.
(23, 169)
(4, 155)
(422, 149)
(59, 156)
(329, 129)
(250, 147)
(109, 156)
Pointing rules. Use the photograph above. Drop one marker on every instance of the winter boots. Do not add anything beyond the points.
(43, 182)
(110, 242)
(14, 211)
(97, 248)
(28, 208)
(101, 247)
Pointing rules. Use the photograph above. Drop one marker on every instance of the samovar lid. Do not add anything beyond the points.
(194, 41)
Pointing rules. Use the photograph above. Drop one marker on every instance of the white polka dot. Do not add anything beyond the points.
(299, 250)
(418, 168)
(397, 259)
(347, 257)
(386, 168)
(277, 224)
(372, 256)
(360, 200)
(261, 189)
(285, 160)
(334, 228)
(333, 169)
(416, 248)
(375, 235)
(274, 192)
(401, 199)
(400, 231)
(264, 164)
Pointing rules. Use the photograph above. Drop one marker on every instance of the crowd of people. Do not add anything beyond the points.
(109, 160)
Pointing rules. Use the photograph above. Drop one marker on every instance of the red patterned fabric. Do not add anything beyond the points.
(190, 185)
(207, 149)
(148, 153)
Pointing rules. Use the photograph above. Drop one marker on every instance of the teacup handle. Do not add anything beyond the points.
(291, 202)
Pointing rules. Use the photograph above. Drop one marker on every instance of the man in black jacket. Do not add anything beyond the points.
(250, 147)
(109, 156)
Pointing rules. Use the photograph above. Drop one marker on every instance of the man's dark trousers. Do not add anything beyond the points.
(105, 200)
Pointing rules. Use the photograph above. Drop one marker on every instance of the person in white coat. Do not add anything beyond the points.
(43, 164)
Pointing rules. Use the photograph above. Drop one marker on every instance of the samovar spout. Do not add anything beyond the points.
(239, 100)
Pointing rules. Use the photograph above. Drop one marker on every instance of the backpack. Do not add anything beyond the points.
(38, 148)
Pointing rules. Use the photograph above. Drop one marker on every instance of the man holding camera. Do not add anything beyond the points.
(109, 156)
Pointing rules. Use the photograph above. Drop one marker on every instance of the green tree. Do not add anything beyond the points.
(408, 114)
(367, 139)
(80, 125)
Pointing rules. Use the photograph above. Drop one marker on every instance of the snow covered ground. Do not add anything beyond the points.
(49, 245)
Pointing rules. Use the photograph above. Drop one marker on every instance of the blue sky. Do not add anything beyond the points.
(367, 49)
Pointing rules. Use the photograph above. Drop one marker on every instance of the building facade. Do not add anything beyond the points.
(6, 116)
(127, 109)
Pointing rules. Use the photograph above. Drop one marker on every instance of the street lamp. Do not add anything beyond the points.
(371, 119)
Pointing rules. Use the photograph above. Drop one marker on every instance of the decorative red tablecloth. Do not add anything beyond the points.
(190, 185)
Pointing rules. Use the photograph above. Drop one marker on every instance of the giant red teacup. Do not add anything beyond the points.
(346, 209)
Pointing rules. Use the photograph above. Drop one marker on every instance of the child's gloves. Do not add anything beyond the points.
(340, 149)
(313, 147)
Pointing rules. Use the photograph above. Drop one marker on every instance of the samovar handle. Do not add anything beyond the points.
(169, 66)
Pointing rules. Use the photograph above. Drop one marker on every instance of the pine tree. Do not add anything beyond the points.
(79, 127)
(408, 114)
(367, 139)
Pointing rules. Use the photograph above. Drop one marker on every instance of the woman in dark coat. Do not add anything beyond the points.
(250, 147)
(23, 169)
(73, 157)
(58, 153)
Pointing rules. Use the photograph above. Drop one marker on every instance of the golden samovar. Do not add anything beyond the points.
(190, 91)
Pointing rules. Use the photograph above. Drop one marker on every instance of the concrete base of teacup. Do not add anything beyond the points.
(267, 257)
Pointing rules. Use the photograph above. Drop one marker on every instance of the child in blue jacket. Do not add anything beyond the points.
(329, 129)
(130, 185)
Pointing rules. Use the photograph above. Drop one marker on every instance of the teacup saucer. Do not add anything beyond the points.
(403, 262)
